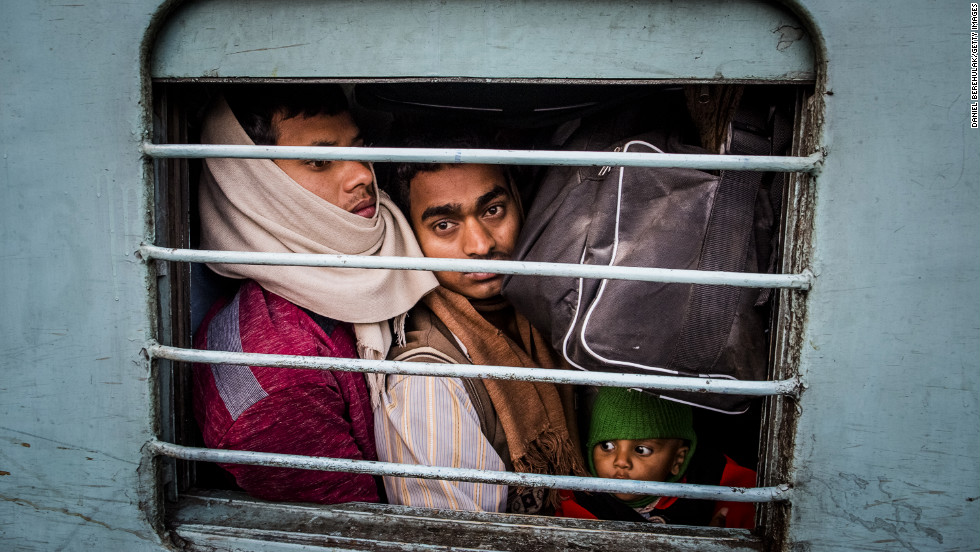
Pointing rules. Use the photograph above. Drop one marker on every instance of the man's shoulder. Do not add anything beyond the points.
(257, 321)
(427, 339)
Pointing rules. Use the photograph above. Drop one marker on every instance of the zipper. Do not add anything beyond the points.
(605, 170)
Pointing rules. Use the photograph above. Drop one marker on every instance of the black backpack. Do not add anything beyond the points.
(664, 218)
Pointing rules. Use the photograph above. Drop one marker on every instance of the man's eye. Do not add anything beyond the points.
(606, 446)
(495, 210)
(317, 163)
(643, 451)
(442, 226)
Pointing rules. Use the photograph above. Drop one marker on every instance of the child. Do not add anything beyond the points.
(634, 435)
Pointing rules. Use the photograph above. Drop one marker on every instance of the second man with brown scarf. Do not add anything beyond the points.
(471, 211)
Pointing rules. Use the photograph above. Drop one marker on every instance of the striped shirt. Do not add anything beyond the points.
(430, 421)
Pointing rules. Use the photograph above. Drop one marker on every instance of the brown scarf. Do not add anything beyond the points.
(537, 418)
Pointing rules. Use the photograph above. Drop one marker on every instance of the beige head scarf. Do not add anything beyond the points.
(252, 205)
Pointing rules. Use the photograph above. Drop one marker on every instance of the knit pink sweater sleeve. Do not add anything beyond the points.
(302, 419)
(282, 410)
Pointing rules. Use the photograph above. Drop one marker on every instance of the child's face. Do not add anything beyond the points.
(639, 459)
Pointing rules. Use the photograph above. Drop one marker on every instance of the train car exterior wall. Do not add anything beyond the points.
(887, 453)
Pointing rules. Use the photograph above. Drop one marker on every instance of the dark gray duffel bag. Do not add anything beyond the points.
(653, 217)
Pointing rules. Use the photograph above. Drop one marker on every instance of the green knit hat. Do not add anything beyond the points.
(620, 413)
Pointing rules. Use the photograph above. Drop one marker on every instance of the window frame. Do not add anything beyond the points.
(172, 221)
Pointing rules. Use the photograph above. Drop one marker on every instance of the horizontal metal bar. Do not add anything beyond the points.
(781, 79)
(681, 490)
(493, 157)
(574, 377)
(644, 274)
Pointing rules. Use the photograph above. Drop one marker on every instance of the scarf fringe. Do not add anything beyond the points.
(550, 453)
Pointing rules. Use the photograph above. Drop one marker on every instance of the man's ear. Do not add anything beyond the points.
(679, 458)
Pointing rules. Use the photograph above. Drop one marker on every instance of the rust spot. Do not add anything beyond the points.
(28, 445)
(2, 473)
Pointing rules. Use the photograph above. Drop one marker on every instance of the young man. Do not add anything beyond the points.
(300, 206)
(471, 212)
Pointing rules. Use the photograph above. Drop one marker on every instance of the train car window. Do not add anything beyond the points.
(513, 68)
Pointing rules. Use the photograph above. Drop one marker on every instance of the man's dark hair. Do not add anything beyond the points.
(448, 135)
(255, 106)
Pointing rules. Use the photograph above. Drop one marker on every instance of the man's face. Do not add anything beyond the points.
(346, 184)
(639, 460)
(465, 212)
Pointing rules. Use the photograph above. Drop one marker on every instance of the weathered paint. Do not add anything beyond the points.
(75, 406)
(887, 446)
(888, 436)
(473, 38)
(211, 522)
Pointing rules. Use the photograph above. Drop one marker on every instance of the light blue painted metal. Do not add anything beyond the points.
(808, 164)
(681, 490)
(472, 38)
(800, 281)
(75, 394)
(888, 449)
(664, 383)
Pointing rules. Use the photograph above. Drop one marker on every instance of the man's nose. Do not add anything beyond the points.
(356, 173)
(477, 239)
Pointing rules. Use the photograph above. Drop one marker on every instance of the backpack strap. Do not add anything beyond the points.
(490, 424)
(431, 341)
(709, 319)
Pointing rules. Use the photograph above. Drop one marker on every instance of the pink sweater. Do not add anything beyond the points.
(284, 410)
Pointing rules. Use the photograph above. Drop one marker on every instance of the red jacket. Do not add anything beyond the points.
(292, 411)
(669, 509)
